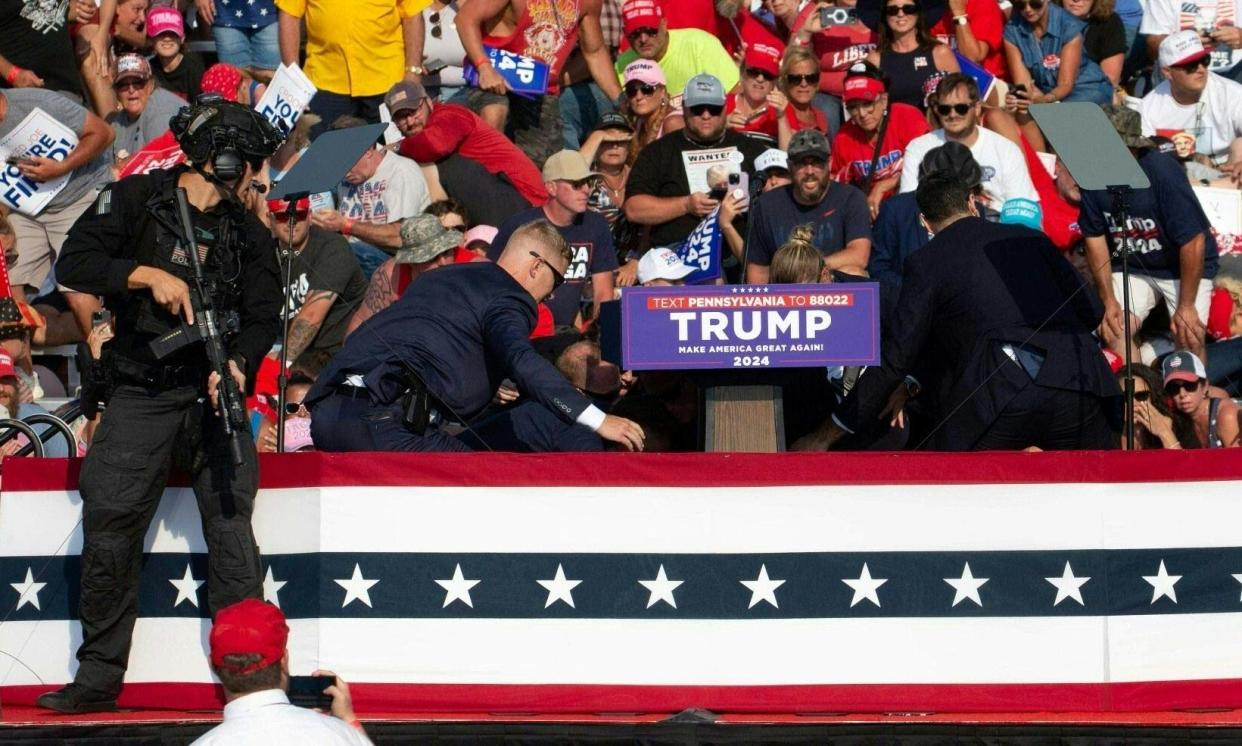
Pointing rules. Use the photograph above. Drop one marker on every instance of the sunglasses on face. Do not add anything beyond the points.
(712, 109)
(755, 72)
(909, 9)
(293, 407)
(1021, 5)
(961, 109)
(1143, 395)
(811, 79)
(558, 279)
(1193, 65)
(126, 85)
(639, 33)
(632, 89)
(1176, 387)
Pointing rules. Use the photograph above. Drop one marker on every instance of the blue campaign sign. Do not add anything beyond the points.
(750, 326)
(982, 77)
(701, 250)
(526, 76)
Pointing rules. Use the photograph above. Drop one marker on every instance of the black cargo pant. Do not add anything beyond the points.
(143, 431)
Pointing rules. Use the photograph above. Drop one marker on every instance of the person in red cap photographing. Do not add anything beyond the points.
(250, 655)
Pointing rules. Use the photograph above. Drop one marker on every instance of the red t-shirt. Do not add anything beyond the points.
(732, 33)
(852, 153)
(837, 47)
(765, 124)
(455, 129)
(987, 21)
(821, 121)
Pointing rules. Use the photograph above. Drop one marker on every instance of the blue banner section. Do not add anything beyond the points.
(701, 250)
(710, 327)
(678, 586)
(984, 78)
(526, 76)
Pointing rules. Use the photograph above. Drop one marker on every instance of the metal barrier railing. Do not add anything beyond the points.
(58, 420)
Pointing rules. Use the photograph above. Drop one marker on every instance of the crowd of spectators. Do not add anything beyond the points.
(822, 117)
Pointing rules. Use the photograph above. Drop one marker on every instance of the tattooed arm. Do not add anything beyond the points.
(305, 325)
(380, 295)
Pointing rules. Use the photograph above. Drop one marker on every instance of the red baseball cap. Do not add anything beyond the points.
(763, 57)
(638, 14)
(249, 627)
(862, 88)
(6, 366)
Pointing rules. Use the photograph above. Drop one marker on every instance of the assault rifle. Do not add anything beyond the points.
(206, 328)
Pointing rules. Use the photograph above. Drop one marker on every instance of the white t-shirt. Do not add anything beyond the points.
(1004, 167)
(1163, 17)
(1207, 127)
(266, 718)
(396, 191)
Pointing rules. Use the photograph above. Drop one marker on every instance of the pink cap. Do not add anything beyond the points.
(645, 71)
(163, 20)
(484, 233)
(638, 14)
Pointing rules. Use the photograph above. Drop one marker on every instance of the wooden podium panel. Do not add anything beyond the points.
(747, 419)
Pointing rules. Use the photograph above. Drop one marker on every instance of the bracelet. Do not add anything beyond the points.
(481, 61)
(11, 76)
(347, 226)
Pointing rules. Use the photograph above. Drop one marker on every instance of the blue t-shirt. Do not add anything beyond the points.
(245, 14)
(1042, 57)
(896, 235)
(1161, 219)
(590, 240)
(839, 217)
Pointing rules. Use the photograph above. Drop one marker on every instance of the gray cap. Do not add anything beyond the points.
(807, 142)
(423, 238)
(703, 89)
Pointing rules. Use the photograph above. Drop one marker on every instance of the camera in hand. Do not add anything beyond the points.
(307, 691)
(829, 16)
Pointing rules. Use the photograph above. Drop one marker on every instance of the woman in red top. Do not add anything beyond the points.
(800, 83)
(759, 107)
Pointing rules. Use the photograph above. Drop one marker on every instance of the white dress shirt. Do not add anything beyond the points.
(266, 718)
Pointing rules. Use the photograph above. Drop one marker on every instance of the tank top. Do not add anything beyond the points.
(908, 73)
(1213, 437)
(547, 31)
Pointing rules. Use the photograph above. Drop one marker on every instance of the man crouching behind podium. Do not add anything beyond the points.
(440, 352)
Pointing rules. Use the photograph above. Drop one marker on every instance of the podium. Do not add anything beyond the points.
(735, 338)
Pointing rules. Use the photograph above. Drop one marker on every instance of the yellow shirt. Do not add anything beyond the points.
(354, 47)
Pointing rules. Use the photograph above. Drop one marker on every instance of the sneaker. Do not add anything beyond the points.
(75, 699)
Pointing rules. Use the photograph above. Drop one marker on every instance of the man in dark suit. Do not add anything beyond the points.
(441, 351)
(1001, 328)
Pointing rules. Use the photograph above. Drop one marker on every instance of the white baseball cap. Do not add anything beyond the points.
(661, 264)
(771, 158)
(1181, 47)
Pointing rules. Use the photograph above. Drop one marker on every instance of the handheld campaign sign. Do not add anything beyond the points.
(286, 97)
(750, 326)
(701, 250)
(37, 135)
(526, 76)
(982, 77)
(162, 152)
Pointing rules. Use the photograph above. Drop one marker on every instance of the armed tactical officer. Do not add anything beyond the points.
(160, 408)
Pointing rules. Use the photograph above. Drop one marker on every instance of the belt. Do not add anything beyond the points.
(157, 376)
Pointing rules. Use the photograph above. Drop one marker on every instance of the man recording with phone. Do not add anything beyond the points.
(163, 404)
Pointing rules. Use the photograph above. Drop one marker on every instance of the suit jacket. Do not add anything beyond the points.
(462, 328)
(976, 286)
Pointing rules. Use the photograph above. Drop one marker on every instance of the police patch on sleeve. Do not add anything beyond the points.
(103, 203)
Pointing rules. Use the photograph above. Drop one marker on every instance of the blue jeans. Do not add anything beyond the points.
(257, 49)
(581, 107)
(369, 258)
(330, 106)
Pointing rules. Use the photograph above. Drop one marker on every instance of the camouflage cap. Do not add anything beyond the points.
(1129, 125)
(423, 238)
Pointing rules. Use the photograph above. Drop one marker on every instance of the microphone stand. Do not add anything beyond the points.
(1121, 212)
(286, 271)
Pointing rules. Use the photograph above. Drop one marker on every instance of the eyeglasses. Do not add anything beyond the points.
(1174, 388)
(293, 407)
(755, 72)
(633, 88)
(795, 80)
(712, 109)
(1190, 67)
(1032, 4)
(126, 85)
(282, 216)
(558, 279)
(638, 33)
(961, 109)
(909, 9)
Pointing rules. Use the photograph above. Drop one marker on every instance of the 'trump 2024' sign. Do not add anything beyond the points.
(750, 326)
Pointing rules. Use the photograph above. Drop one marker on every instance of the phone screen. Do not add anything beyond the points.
(307, 691)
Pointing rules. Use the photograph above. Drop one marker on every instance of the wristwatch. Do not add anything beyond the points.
(416, 69)
(913, 387)
(960, 20)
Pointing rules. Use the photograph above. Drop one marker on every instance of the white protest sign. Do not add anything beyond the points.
(286, 97)
(1223, 208)
(37, 135)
